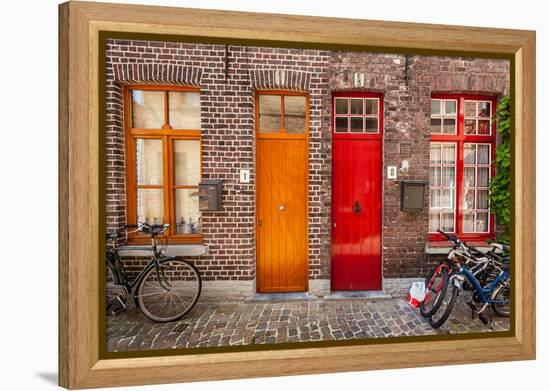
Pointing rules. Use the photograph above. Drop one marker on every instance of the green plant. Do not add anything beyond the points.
(500, 183)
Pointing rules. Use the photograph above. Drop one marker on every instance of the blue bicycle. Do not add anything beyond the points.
(487, 275)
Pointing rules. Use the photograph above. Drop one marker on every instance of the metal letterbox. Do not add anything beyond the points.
(412, 195)
(210, 194)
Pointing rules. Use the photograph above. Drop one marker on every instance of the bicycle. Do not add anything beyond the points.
(166, 289)
(486, 273)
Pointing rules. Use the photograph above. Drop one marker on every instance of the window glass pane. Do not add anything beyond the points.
(187, 162)
(435, 125)
(147, 109)
(447, 198)
(469, 154)
(341, 124)
(484, 126)
(469, 200)
(483, 177)
(434, 198)
(450, 107)
(435, 153)
(295, 114)
(434, 221)
(371, 125)
(436, 107)
(483, 153)
(341, 105)
(470, 108)
(482, 222)
(149, 161)
(188, 217)
(357, 106)
(270, 113)
(484, 109)
(184, 110)
(448, 177)
(470, 126)
(449, 155)
(449, 126)
(357, 124)
(468, 221)
(482, 199)
(150, 206)
(447, 222)
(435, 176)
(372, 106)
(469, 176)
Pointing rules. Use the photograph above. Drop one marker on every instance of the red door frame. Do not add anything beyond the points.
(460, 139)
(360, 136)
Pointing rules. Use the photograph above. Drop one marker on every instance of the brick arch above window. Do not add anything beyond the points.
(157, 74)
(279, 79)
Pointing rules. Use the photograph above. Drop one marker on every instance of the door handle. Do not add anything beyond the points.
(260, 222)
(356, 207)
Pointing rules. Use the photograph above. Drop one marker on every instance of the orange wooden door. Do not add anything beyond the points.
(282, 215)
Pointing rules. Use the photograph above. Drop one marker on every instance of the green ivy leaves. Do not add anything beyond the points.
(500, 184)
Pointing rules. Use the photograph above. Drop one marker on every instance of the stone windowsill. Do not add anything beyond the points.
(443, 248)
(186, 250)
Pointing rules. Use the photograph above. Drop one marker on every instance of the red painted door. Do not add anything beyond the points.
(357, 192)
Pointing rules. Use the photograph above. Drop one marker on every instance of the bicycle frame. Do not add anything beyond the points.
(120, 274)
(484, 293)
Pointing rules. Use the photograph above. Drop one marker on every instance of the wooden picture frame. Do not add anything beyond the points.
(80, 361)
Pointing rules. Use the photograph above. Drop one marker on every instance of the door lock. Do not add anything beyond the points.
(356, 207)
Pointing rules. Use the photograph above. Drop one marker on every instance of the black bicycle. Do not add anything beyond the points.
(166, 289)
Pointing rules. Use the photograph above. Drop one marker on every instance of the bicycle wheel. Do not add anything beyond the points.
(111, 275)
(170, 291)
(502, 294)
(436, 283)
(447, 304)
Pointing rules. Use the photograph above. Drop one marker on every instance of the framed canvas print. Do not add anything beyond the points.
(247, 195)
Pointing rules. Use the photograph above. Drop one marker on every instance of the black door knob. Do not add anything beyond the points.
(356, 207)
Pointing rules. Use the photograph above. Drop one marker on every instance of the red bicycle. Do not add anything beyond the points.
(436, 286)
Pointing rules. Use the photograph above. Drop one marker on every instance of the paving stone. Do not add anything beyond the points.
(244, 323)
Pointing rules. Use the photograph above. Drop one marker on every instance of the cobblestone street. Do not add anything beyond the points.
(243, 323)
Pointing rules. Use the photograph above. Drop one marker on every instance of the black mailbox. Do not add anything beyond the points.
(210, 194)
(412, 195)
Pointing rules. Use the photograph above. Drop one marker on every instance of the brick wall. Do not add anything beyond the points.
(227, 109)
(228, 138)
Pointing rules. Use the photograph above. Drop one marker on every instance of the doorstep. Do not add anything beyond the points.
(184, 250)
(358, 295)
(275, 297)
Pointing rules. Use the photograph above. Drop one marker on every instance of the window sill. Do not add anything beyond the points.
(186, 250)
(443, 247)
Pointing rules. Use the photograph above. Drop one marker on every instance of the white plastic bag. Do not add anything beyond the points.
(417, 293)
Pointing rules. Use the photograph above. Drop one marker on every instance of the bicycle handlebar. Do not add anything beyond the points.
(452, 238)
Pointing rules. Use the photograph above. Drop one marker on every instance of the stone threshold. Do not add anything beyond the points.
(305, 296)
(358, 295)
(277, 297)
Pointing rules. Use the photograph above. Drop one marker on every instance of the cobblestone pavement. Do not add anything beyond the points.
(244, 323)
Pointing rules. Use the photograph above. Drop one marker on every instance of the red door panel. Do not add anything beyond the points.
(356, 211)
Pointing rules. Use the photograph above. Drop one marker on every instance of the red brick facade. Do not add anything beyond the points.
(228, 77)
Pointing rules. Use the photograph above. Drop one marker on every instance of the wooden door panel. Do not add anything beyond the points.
(356, 235)
(282, 234)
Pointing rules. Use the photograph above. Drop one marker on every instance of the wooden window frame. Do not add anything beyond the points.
(362, 95)
(282, 132)
(440, 188)
(460, 139)
(168, 136)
